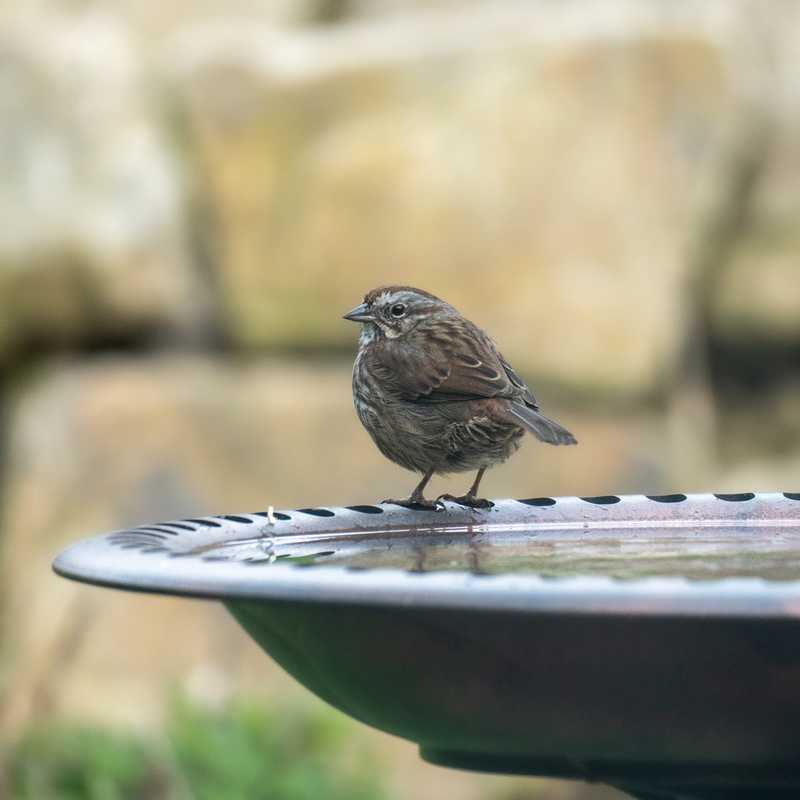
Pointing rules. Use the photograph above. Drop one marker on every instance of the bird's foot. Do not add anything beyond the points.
(466, 500)
(417, 503)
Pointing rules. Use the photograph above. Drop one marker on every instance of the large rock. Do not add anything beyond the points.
(759, 297)
(757, 301)
(539, 169)
(93, 235)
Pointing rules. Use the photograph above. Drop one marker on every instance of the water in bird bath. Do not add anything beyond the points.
(768, 549)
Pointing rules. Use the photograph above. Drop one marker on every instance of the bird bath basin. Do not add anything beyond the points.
(652, 643)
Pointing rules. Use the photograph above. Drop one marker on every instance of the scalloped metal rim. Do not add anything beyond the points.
(153, 568)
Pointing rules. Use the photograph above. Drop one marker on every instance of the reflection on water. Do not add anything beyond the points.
(770, 552)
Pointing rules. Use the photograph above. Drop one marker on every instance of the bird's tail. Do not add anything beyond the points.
(540, 426)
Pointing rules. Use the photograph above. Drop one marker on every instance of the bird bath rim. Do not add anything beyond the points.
(182, 557)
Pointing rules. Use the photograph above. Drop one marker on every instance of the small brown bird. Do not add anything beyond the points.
(436, 395)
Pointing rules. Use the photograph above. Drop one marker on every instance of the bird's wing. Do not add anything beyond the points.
(526, 395)
(451, 361)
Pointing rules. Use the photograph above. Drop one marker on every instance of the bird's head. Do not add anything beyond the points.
(394, 311)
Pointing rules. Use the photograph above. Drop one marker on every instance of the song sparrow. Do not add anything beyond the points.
(436, 395)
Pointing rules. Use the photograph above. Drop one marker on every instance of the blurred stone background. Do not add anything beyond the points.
(192, 193)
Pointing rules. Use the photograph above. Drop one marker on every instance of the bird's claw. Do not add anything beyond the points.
(467, 500)
(417, 504)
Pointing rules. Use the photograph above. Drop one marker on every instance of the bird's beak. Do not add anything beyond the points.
(359, 314)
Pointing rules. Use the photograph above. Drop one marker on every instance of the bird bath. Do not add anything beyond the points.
(652, 643)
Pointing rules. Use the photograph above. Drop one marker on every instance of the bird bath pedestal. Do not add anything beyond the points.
(652, 643)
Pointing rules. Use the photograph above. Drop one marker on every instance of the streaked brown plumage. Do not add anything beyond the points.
(435, 394)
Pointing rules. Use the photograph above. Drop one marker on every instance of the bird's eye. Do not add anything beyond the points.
(398, 310)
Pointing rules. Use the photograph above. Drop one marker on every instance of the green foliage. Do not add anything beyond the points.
(252, 752)
(248, 751)
(67, 762)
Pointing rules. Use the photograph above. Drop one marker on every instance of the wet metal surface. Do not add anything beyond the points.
(770, 552)
(735, 552)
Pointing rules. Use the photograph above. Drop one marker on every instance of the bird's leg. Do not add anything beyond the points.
(473, 490)
(417, 500)
(470, 499)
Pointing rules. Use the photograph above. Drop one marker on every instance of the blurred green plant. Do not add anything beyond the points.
(75, 762)
(255, 752)
(246, 751)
